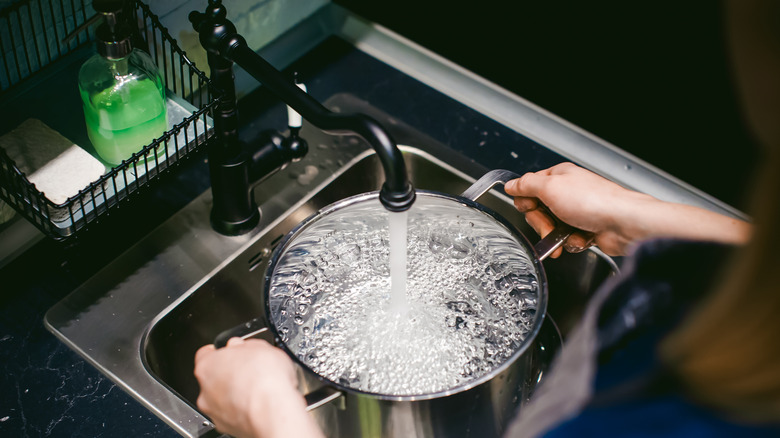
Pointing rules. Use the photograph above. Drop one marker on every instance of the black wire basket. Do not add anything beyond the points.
(38, 65)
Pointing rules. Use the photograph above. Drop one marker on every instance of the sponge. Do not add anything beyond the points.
(58, 167)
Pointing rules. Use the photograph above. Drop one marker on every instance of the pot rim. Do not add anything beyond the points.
(541, 310)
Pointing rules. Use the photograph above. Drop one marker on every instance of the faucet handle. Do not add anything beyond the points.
(296, 145)
(294, 120)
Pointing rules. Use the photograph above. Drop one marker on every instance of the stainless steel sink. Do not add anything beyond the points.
(141, 319)
(233, 295)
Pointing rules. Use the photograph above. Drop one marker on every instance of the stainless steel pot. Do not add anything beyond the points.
(478, 407)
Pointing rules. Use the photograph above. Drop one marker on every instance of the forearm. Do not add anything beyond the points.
(652, 218)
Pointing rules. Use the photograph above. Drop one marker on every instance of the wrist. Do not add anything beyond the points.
(284, 415)
(634, 219)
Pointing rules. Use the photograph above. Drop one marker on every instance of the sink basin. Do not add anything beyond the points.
(142, 317)
(233, 294)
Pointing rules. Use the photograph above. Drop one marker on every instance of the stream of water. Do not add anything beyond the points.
(398, 249)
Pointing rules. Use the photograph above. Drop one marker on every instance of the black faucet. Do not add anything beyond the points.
(234, 166)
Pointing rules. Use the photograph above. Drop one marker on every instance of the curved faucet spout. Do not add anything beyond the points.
(219, 37)
(397, 193)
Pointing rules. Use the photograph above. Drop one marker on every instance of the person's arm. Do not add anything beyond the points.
(616, 217)
(249, 390)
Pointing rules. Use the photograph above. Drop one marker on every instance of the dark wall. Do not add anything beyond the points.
(650, 77)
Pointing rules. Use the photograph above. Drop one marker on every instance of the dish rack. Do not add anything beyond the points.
(34, 56)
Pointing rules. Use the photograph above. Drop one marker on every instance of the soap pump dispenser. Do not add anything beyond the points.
(121, 90)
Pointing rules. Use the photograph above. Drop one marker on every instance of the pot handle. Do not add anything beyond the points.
(250, 329)
(550, 242)
(258, 328)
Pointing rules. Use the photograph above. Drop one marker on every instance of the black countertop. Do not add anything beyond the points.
(49, 390)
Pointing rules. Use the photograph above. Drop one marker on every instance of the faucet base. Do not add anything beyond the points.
(229, 228)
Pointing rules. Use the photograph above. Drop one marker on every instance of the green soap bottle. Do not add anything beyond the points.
(121, 89)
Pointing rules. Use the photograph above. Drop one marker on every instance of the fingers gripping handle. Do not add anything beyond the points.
(258, 328)
(557, 237)
(549, 243)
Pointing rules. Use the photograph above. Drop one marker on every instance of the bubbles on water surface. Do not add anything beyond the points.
(470, 285)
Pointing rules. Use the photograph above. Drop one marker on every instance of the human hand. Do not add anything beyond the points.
(612, 216)
(249, 389)
(583, 200)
